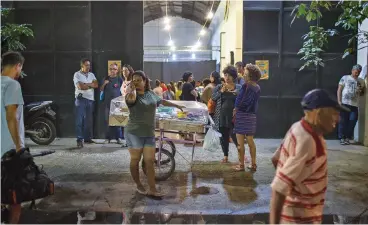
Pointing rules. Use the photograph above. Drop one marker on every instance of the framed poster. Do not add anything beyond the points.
(112, 62)
(264, 66)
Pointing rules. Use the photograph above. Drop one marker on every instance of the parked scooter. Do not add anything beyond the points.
(39, 122)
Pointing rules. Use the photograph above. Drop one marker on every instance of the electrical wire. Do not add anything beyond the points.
(207, 20)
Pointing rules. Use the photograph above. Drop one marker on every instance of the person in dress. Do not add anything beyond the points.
(245, 118)
(225, 96)
(140, 130)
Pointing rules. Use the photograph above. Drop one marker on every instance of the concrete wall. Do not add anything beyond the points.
(228, 32)
(184, 33)
(361, 130)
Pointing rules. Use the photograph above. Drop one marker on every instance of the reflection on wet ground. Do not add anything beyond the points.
(91, 217)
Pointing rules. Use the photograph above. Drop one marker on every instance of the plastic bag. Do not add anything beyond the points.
(212, 140)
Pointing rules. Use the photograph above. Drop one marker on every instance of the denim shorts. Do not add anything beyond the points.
(136, 142)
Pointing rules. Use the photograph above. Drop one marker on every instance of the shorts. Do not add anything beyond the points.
(136, 142)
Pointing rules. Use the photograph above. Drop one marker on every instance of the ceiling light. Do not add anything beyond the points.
(166, 20)
(210, 15)
(174, 56)
(202, 32)
(167, 27)
(198, 44)
(170, 42)
(193, 56)
(172, 48)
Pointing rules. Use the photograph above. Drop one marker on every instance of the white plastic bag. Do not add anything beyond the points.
(212, 140)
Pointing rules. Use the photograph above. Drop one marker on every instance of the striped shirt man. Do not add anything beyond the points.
(301, 174)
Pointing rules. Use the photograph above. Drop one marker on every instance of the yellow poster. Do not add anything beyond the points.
(112, 62)
(264, 66)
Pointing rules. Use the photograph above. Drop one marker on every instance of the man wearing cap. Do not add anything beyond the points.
(300, 183)
(351, 87)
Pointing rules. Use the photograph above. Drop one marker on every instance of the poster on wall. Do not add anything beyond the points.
(264, 66)
(112, 62)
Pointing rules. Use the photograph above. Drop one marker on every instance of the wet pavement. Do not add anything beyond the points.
(96, 179)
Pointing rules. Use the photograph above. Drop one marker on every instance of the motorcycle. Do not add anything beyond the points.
(39, 122)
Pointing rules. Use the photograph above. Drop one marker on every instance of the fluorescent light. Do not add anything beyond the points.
(167, 27)
(173, 48)
(202, 32)
(170, 42)
(198, 44)
(174, 56)
(193, 56)
(210, 15)
(166, 20)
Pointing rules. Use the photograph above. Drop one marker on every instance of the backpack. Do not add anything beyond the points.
(22, 180)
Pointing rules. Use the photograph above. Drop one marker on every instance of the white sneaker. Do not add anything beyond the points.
(123, 143)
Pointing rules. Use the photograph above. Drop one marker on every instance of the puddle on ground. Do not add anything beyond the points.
(64, 217)
(91, 217)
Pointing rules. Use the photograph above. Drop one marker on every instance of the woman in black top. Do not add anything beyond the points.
(225, 95)
(188, 91)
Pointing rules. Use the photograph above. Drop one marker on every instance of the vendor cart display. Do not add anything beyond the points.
(191, 121)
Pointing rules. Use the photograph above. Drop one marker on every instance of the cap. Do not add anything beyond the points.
(319, 98)
(357, 67)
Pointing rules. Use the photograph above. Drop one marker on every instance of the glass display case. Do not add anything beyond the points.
(119, 112)
(194, 117)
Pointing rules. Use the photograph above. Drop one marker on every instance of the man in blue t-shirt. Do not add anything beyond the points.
(12, 126)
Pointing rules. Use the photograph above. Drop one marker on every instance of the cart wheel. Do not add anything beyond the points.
(167, 167)
(169, 145)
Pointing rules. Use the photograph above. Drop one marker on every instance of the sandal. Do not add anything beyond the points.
(239, 168)
(141, 192)
(224, 160)
(155, 194)
(252, 168)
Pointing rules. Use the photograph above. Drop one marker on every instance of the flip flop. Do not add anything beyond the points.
(252, 168)
(239, 168)
(141, 192)
(224, 161)
(156, 194)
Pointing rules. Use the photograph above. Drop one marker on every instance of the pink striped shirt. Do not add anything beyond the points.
(301, 174)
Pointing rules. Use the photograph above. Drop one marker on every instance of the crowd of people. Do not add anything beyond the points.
(299, 185)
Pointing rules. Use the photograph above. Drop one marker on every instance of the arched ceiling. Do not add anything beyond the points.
(192, 10)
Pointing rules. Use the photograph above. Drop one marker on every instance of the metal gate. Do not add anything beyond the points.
(267, 35)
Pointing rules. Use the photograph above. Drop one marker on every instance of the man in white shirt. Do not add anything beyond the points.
(85, 82)
(351, 87)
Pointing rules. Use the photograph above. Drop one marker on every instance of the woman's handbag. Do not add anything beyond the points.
(211, 105)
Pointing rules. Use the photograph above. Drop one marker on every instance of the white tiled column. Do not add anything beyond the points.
(361, 129)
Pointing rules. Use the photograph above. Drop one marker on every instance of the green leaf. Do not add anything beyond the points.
(309, 17)
(302, 9)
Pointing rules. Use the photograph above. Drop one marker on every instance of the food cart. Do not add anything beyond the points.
(192, 121)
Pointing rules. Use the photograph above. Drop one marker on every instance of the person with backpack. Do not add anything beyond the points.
(12, 125)
(111, 90)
